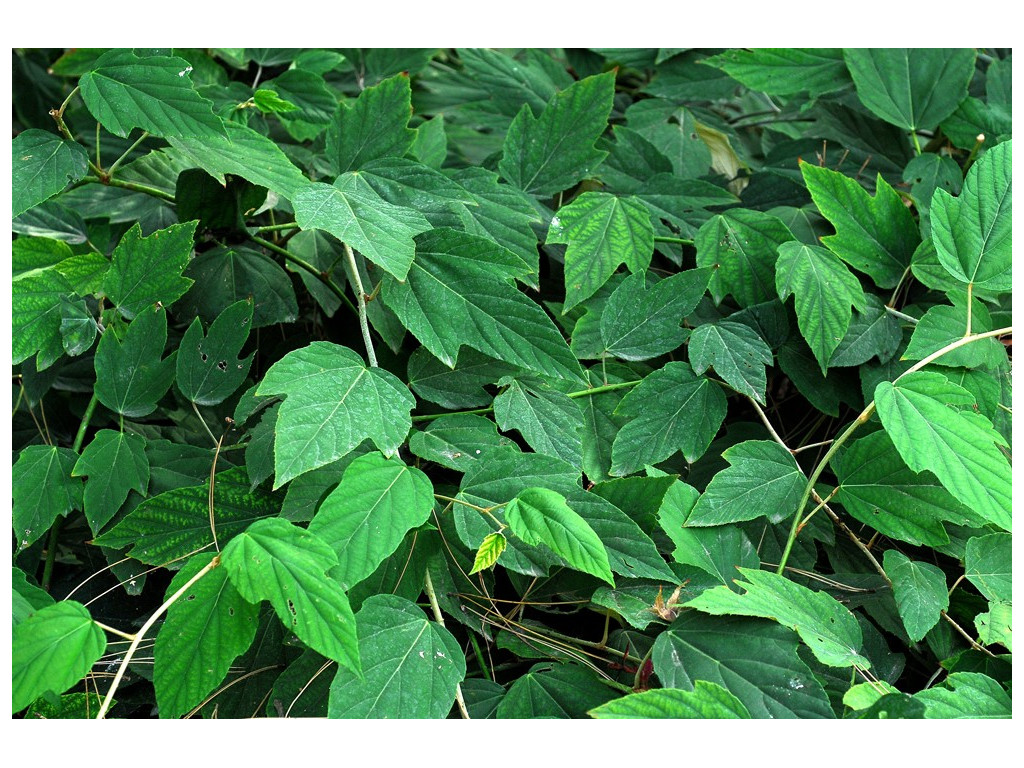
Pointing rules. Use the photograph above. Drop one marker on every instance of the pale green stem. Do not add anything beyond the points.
(902, 316)
(364, 323)
(113, 631)
(127, 152)
(428, 586)
(917, 144)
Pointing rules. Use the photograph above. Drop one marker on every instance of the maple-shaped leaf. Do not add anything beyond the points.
(114, 464)
(147, 270)
(43, 489)
(208, 369)
(374, 125)
(130, 376)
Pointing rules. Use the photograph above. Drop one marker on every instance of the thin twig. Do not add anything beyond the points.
(439, 617)
(364, 323)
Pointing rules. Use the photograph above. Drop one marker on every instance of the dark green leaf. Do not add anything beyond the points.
(43, 489)
(36, 318)
(549, 420)
(988, 565)
(42, 165)
(920, 591)
(78, 327)
(873, 332)
(554, 690)
(457, 441)
(460, 386)
(785, 71)
(147, 270)
(130, 375)
(374, 125)
(738, 354)
(115, 464)
(208, 368)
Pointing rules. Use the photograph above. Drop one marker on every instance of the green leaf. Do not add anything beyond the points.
(208, 368)
(315, 103)
(115, 464)
(413, 666)
(671, 410)
(741, 245)
(53, 220)
(640, 322)
(176, 523)
(911, 88)
(737, 352)
(458, 386)
(973, 232)
(942, 324)
(333, 402)
(824, 624)
(785, 71)
(52, 650)
(35, 316)
(205, 630)
(718, 551)
(707, 701)
(147, 270)
(920, 591)
(43, 489)
(600, 425)
(874, 235)
(430, 146)
(130, 376)
(78, 327)
(549, 420)
(489, 551)
(541, 516)
(554, 690)
(410, 184)
(548, 154)
(762, 479)
(457, 441)
(353, 212)
(994, 626)
(42, 165)
(969, 695)
(155, 93)
(824, 289)
(921, 413)
(873, 332)
(602, 232)
(460, 291)
(988, 565)
(374, 125)
(277, 561)
(755, 660)
(30, 253)
(367, 516)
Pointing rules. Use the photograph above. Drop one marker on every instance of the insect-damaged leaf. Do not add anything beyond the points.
(208, 369)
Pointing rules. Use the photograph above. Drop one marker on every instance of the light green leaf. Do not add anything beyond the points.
(874, 235)
(737, 352)
(35, 316)
(277, 561)
(671, 410)
(920, 591)
(52, 650)
(203, 633)
(30, 253)
(430, 146)
(315, 103)
(921, 413)
(541, 516)
(994, 626)
(973, 232)
(490, 550)
(549, 420)
(333, 402)
(911, 88)
(718, 551)
(548, 154)
(640, 322)
(785, 71)
(366, 517)
(823, 623)
(374, 125)
(353, 212)
(130, 376)
(762, 479)
(42, 165)
(413, 666)
(966, 695)
(460, 291)
(988, 565)
(208, 368)
(942, 324)
(707, 701)
(147, 270)
(863, 695)
(602, 232)
(43, 489)
(115, 463)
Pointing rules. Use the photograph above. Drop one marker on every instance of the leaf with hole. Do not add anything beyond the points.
(208, 367)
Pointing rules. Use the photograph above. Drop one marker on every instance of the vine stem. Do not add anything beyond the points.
(113, 631)
(146, 627)
(117, 163)
(364, 323)
(428, 587)
(129, 185)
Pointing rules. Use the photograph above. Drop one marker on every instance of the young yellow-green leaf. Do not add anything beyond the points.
(707, 701)
(35, 316)
(920, 591)
(549, 420)
(115, 463)
(176, 522)
(988, 565)
(823, 623)
(640, 322)
(147, 270)
(52, 650)
(208, 369)
(333, 402)
(966, 695)
(155, 93)
(42, 164)
(874, 235)
(353, 212)
(762, 479)
(973, 232)
(863, 695)
(277, 561)
(994, 626)
(413, 665)
(601, 232)
(203, 633)
(268, 100)
(824, 289)
(541, 516)
(911, 88)
(490, 550)
(671, 410)
(922, 414)
(741, 245)
(548, 154)
(315, 103)
(737, 352)
(460, 291)
(785, 71)
(43, 489)
(374, 125)
(366, 517)
(130, 376)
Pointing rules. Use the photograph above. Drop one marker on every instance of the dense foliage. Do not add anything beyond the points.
(616, 383)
